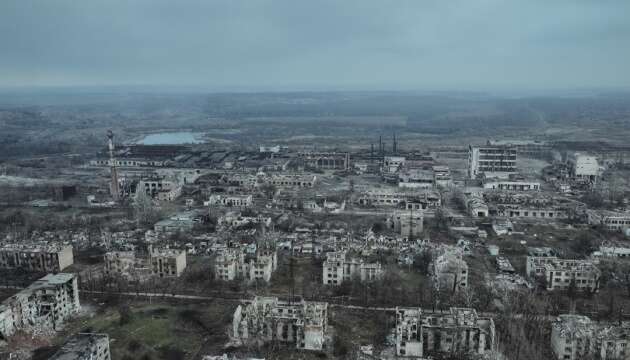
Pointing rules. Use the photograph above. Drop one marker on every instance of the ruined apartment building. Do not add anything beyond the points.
(234, 264)
(339, 267)
(167, 262)
(450, 271)
(575, 337)
(460, 331)
(561, 273)
(84, 346)
(160, 262)
(269, 319)
(491, 161)
(409, 224)
(31, 257)
(122, 263)
(45, 304)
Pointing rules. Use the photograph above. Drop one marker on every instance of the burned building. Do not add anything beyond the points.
(84, 346)
(265, 319)
(460, 331)
(33, 257)
(46, 304)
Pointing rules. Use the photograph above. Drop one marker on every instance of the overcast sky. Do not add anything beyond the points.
(315, 44)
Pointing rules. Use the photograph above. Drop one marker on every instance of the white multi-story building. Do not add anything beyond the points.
(460, 331)
(46, 304)
(84, 346)
(575, 337)
(33, 257)
(338, 267)
(266, 319)
(583, 167)
(491, 161)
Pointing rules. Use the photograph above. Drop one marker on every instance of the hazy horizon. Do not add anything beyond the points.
(282, 45)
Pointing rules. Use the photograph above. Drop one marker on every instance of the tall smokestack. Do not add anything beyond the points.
(394, 145)
(380, 145)
(113, 186)
(372, 153)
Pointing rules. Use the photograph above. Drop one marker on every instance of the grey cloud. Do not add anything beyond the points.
(287, 43)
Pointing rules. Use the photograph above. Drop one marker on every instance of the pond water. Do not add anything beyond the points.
(172, 138)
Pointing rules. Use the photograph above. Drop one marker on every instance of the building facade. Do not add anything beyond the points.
(460, 331)
(575, 337)
(46, 304)
(301, 323)
(491, 161)
(338, 267)
(84, 346)
(44, 258)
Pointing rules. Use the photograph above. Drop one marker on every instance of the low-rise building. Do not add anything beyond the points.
(84, 346)
(230, 200)
(575, 337)
(32, 257)
(511, 185)
(265, 319)
(339, 267)
(46, 304)
(460, 331)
